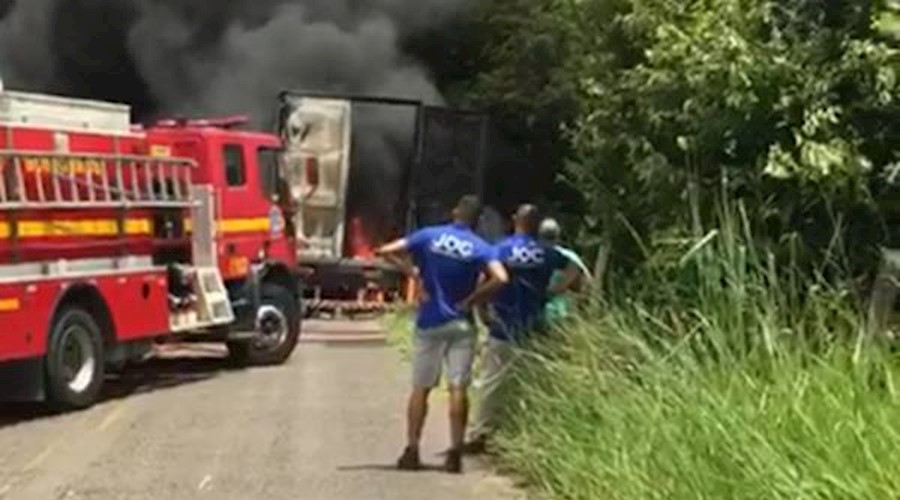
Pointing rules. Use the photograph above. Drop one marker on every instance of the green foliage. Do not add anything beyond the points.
(650, 105)
(887, 21)
(728, 360)
(748, 384)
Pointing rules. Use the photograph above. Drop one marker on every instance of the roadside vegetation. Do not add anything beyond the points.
(399, 327)
(732, 168)
(715, 374)
(748, 383)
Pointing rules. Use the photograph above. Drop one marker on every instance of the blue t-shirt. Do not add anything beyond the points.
(519, 306)
(450, 259)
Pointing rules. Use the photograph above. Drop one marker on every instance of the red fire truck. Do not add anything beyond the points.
(113, 237)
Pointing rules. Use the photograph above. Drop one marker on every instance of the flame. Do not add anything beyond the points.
(360, 246)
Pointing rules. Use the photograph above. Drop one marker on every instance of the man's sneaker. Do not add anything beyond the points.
(409, 460)
(453, 462)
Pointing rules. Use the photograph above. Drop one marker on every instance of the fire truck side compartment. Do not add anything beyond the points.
(136, 305)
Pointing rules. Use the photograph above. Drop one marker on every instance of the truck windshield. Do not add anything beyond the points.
(267, 158)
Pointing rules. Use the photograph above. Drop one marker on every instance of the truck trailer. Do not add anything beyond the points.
(331, 184)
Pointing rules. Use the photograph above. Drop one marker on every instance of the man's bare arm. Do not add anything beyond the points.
(496, 278)
(403, 264)
(570, 276)
(483, 309)
(392, 248)
(393, 253)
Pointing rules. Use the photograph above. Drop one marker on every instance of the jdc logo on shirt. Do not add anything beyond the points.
(453, 247)
(526, 256)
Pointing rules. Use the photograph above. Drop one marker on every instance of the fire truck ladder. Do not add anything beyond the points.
(90, 181)
(42, 180)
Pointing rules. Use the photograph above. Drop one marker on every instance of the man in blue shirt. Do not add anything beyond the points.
(450, 261)
(517, 310)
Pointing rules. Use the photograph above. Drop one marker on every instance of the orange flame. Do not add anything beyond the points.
(360, 246)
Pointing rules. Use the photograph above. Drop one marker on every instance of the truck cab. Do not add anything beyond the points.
(256, 246)
(244, 168)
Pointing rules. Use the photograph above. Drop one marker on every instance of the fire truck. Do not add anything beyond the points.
(114, 237)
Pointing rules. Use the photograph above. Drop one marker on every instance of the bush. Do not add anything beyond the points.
(749, 383)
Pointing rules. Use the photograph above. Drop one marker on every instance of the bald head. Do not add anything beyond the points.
(527, 219)
(550, 230)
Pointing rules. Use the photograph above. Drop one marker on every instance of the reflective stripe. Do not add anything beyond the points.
(109, 227)
(245, 225)
(11, 304)
(69, 228)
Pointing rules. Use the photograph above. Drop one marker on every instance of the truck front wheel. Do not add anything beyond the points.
(74, 365)
(277, 329)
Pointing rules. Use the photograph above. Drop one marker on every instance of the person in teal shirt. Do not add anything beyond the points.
(558, 306)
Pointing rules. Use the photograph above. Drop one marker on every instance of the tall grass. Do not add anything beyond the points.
(720, 375)
(399, 327)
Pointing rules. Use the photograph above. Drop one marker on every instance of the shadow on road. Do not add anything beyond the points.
(150, 376)
(387, 468)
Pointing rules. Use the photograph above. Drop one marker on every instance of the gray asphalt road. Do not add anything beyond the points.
(328, 425)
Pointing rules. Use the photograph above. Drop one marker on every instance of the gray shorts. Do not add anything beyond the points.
(453, 344)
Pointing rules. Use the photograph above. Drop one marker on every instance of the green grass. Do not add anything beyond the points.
(814, 428)
(399, 327)
(718, 376)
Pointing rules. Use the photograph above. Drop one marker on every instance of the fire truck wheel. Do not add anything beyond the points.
(74, 362)
(277, 330)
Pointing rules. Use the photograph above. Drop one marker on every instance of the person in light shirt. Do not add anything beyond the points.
(558, 307)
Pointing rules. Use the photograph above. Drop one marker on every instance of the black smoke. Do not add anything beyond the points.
(202, 56)
(215, 57)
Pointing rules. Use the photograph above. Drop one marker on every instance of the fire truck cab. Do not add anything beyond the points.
(115, 237)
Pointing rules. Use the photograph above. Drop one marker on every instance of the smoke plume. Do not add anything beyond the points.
(201, 56)
(212, 57)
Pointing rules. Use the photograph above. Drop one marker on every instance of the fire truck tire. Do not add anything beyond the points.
(74, 364)
(279, 316)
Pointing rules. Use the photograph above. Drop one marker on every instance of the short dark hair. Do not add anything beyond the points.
(529, 216)
(468, 209)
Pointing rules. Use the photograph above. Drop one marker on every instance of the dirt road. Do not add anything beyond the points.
(328, 425)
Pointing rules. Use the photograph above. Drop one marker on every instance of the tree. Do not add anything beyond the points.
(652, 111)
(788, 107)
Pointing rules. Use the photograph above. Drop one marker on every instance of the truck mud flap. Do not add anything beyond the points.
(22, 381)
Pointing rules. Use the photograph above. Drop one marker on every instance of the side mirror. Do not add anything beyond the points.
(275, 182)
(273, 178)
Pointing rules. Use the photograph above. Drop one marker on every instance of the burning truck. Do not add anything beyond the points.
(345, 204)
(117, 237)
